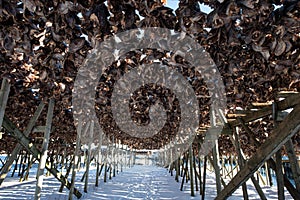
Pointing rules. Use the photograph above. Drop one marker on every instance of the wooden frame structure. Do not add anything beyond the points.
(281, 136)
(185, 166)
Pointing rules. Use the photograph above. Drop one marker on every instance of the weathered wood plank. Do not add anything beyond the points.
(285, 130)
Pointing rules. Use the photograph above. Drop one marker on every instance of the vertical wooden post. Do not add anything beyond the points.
(105, 172)
(67, 174)
(114, 157)
(98, 159)
(111, 160)
(240, 159)
(199, 168)
(278, 158)
(279, 175)
(191, 170)
(88, 160)
(216, 156)
(122, 157)
(27, 157)
(195, 171)
(118, 155)
(177, 170)
(231, 165)
(4, 92)
(42, 163)
(28, 168)
(20, 157)
(294, 163)
(76, 159)
(105, 163)
(126, 157)
(267, 174)
(184, 166)
(204, 177)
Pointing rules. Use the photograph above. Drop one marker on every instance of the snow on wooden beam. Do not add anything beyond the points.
(285, 130)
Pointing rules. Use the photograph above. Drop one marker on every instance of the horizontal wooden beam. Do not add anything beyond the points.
(284, 131)
(284, 94)
(287, 103)
(259, 104)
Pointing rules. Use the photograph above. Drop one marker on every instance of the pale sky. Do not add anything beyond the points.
(174, 4)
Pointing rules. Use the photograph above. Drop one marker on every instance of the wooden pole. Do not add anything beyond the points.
(240, 159)
(114, 156)
(88, 160)
(28, 169)
(278, 158)
(294, 163)
(177, 170)
(279, 175)
(98, 159)
(76, 159)
(195, 172)
(105, 163)
(42, 163)
(24, 168)
(6, 168)
(216, 156)
(204, 177)
(285, 130)
(199, 168)
(4, 92)
(184, 165)
(191, 170)
(67, 174)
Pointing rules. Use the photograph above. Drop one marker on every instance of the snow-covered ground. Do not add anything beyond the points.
(138, 182)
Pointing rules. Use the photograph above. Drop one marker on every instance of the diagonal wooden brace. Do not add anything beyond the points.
(289, 127)
(29, 146)
(18, 147)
